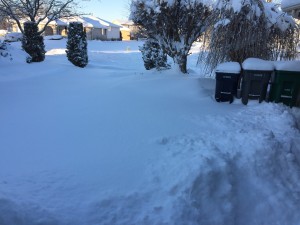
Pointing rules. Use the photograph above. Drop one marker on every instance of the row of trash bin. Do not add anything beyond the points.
(260, 80)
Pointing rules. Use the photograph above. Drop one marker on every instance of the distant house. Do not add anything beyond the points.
(4, 23)
(292, 7)
(113, 30)
(126, 33)
(129, 30)
(54, 27)
(96, 28)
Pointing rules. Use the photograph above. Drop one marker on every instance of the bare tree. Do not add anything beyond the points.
(259, 29)
(174, 24)
(37, 11)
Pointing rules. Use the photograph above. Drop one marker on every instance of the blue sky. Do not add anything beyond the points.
(106, 9)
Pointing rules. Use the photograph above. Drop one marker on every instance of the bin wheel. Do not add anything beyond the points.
(244, 101)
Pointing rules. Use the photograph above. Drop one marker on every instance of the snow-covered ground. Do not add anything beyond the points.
(114, 144)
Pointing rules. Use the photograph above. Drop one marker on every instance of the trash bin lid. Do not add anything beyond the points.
(293, 66)
(228, 67)
(258, 64)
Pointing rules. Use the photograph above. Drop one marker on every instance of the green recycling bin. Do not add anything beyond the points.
(255, 79)
(285, 85)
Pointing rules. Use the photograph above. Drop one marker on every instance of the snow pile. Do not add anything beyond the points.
(257, 64)
(115, 144)
(229, 67)
(53, 37)
(288, 65)
(223, 22)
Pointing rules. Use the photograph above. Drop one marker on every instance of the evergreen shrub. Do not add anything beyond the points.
(33, 43)
(77, 45)
(153, 55)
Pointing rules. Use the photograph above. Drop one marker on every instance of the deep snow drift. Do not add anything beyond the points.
(115, 144)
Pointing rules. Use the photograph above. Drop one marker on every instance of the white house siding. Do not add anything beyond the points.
(113, 33)
(95, 33)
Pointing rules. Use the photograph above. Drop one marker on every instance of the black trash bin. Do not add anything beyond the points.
(227, 76)
(255, 79)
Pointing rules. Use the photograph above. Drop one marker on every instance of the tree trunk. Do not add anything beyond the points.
(181, 60)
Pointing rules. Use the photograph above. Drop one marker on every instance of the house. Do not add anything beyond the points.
(126, 33)
(4, 23)
(96, 28)
(129, 30)
(54, 27)
(292, 7)
(113, 30)
(57, 26)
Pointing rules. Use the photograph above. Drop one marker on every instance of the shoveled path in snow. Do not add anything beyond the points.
(113, 144)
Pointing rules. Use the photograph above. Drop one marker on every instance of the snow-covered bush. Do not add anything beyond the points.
(3, 49)
(77, 45)
(153, 55)
(33, 43)
(250, 28)
(174, 24)
(13, 36)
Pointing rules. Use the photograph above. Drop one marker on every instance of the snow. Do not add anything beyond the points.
(277, 17)
(115, 144)
(57, 22)
(257, 64)
(223, 22)
(288, 66)
(13, 36)
(87, 21)
(235, 5)
(53, 37)
(3, 32)
(229, 67)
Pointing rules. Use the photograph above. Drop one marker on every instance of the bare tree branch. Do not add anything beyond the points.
(37, 11)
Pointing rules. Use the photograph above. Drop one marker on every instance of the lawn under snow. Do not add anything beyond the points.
(115, 144)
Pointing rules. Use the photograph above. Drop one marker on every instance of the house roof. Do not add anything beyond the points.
(124, 22)
(125, 29)
(292, 7)
(295, 4)
(92, 21)
(107, 23)
(87, 21)
(58, 22)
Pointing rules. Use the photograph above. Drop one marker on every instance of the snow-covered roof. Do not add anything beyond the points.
(285, 4)
(288, 66)
(124, 22)
(228, 67)
(292, 7)
(86, 22)
(92, 21)
(125, 28)
(107, 23)
(58, 22)
(258, 64)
